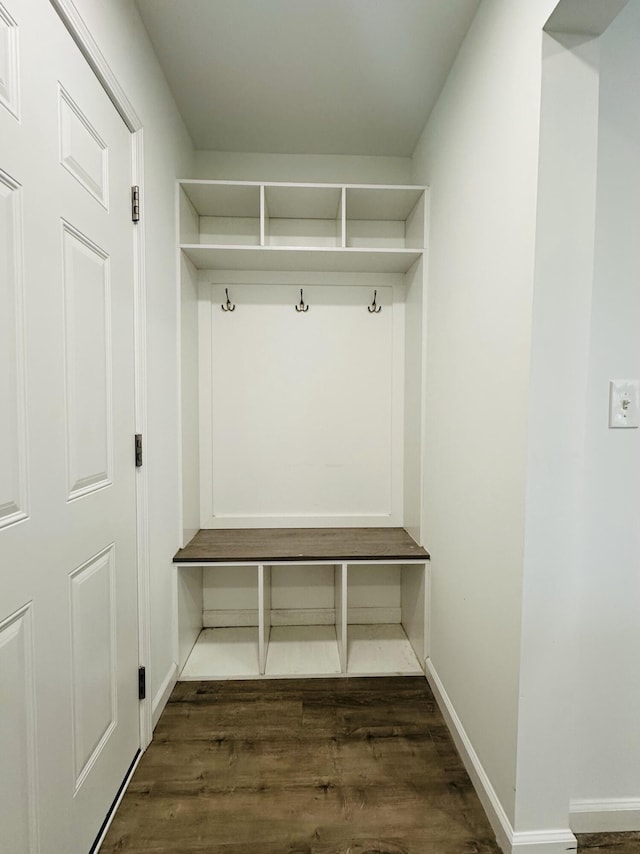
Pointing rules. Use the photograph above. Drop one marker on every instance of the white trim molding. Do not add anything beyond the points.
(604, 816)
(544, 842)
(550, 841)
(163, 693)
(82, 36)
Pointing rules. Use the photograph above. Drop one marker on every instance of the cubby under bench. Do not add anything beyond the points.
(280, 602)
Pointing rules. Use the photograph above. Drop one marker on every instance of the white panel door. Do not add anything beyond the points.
(68, 584)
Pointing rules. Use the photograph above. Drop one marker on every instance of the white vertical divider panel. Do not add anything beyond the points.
(263, 216)
(413, 400)
(413, 605)
(264, 614)
(342, 219)
(397, 401)
(341, 613)
(189, 400)
(427, 611)
(188, 219)
(414, 229)
(205, 309)
(189, 583)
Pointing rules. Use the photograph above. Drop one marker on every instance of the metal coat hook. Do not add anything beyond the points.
(374, 308)
(228, 306)
(301, 306)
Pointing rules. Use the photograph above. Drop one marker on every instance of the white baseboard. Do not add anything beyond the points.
(163, 694)
(553, 841)
(544, 842)
(604, 816)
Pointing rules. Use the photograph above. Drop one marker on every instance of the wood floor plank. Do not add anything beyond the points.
(609, 843)
(333, 766)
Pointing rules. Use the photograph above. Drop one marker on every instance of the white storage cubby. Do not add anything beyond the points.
(303, 216)
(302, 620)
(388, 218)
(300, 227)
(302, 419)
(312, 620)
(219, 214)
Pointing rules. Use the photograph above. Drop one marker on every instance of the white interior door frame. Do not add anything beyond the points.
(89, 48)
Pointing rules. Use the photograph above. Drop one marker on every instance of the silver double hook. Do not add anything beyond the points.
(374, 308)
(301, 306)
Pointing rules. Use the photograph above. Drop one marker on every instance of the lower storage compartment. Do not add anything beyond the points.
(311, 620)
(231, 653)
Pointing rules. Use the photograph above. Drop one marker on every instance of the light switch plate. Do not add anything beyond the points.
(624, 403)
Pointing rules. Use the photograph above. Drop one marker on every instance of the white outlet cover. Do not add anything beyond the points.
(624, 403)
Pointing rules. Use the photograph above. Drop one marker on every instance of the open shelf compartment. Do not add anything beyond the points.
(303, 620)
(220, 213)
(228, 646)
(384, 218)
(303, 215)
(386, 619)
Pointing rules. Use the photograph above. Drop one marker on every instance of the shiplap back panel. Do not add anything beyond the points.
(299, 406)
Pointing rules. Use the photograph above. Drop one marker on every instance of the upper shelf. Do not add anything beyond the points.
(314, 260)
(316, 227)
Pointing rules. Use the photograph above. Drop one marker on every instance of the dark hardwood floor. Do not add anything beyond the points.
(609, 843)
(324, 766)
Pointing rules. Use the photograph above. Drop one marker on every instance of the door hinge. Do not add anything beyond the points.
(142, 683)
(138, 450)
(135, 203)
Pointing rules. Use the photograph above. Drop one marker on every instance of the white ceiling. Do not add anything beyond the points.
(306, 76)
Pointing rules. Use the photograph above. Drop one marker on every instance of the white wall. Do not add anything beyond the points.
(556, 429)
(607, 748)
(117, 28)
(331, 168)
(532, 504)
(479, 154)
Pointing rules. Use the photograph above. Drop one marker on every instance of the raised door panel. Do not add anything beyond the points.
(9, 88)
(82, 151)
(93, 651)
(18, 800)
(88, 364)
(13, 438)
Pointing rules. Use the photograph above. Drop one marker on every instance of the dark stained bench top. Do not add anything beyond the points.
(275, 545)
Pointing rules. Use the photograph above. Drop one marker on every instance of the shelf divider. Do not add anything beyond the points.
(342, 219)
(414, 606)
(264, 614)
(263, 216)
(340, 582)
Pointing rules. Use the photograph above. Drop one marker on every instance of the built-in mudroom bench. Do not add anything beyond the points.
(307, 602)
(303, 348)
